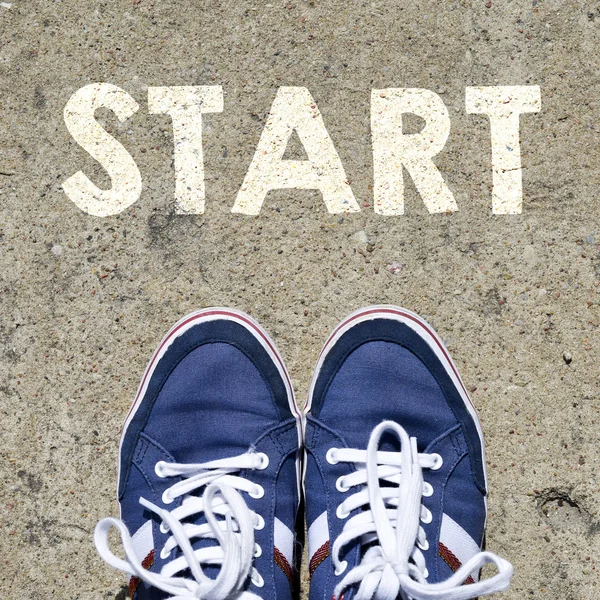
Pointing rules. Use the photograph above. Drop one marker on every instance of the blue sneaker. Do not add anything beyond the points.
(209, 467)
(395, 478)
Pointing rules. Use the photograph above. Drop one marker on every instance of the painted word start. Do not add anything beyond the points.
(294, 110)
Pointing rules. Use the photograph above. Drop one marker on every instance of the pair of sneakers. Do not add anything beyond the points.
(388, 456)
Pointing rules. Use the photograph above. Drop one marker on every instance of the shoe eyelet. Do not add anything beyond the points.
(158, 469)
(264, 461)
(427, 490)
(343, 566)
(164, 555)
(341, 514)
(166, 498)
(424, 546)
(260, 523)
(330, 456)
(163, 529)
(259, 493)
(259, 581)
(425, 573)
(428, 517)
(439, 461)
(257, 551)
(340, 487)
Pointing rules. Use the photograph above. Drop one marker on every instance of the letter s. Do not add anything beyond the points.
(124, 173)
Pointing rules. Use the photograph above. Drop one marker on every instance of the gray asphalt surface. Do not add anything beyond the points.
(85, 300)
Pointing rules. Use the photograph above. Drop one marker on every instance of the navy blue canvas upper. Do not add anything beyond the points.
(378, 370)
(215, 393)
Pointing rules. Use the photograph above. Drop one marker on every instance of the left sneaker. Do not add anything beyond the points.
(395, 478)
(209, 467)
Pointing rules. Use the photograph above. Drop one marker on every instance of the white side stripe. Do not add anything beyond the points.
(284, 540)
(458, 541)
(142, 541)
(318, 534)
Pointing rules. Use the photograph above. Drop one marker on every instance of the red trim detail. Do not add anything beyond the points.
(318, 557)
(149, 560)
(134, 582)
(451, 560)
(283, 564)
(199, 316)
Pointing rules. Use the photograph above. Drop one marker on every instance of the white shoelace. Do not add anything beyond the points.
(395, 567)
(234, 531)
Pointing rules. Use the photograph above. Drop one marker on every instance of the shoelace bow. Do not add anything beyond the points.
(395, 567)
(234, 531)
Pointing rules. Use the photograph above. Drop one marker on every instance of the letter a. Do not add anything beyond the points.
(295, 110)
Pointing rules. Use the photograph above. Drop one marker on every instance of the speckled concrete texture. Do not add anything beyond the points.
(85, 300)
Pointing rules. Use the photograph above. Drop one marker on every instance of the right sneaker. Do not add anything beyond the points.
(395, 480)
(209, 468)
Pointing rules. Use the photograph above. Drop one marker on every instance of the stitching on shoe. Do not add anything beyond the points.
(141, 451)
(144, 444)
(453, 441)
